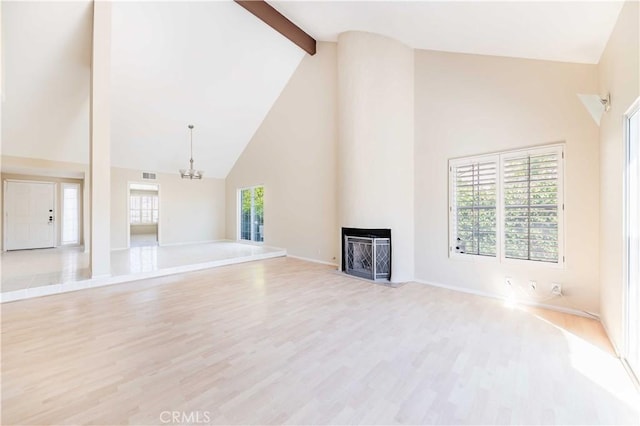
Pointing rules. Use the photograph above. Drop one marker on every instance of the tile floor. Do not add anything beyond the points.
(143, 240)
(31, 273)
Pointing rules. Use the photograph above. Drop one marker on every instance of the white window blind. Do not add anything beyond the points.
(508, 205)
(474, 207)
(531, 207)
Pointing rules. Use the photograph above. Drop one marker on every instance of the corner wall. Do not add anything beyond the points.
(293, 154)
(619, 72)
(471, 104)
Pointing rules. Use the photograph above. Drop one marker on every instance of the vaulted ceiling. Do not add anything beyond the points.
(214, 65)
(568, 31)
(210, 64)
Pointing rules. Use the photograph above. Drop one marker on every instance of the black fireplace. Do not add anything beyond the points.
(366, 253)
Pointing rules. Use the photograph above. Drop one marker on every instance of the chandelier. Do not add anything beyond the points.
(191, 173)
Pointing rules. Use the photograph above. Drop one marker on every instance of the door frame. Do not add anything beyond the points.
(128, 212)
(626, 295)
(5, 222)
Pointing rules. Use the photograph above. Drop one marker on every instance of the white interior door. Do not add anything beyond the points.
(29, 215)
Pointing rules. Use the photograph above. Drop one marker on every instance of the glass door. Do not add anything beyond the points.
(632, 231)
(252, 214)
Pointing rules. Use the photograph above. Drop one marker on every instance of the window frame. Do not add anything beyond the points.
(77, 188)
(154, 197)
(558, 148)
(464, 161)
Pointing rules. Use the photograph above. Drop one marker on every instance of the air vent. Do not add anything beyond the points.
(148, 175)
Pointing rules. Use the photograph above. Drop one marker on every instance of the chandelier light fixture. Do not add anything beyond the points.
(191, 173)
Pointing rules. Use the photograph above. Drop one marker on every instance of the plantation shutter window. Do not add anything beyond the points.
(508, 206)
(531, 189)
(474, 207)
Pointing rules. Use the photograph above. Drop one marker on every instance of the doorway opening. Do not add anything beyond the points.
(144, 214)
(632, 237)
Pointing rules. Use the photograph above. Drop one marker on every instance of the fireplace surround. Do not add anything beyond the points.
(366, 253)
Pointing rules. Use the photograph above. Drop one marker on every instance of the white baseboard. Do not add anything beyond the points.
(307, 259)
(613, 343)
(518, 301)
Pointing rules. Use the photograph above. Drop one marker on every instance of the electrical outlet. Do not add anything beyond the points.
(556, 289)
(532, 285)
(508, 281)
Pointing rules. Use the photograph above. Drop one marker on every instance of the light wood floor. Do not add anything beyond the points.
(287, 341)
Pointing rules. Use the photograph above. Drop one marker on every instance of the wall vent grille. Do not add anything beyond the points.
(148, 175)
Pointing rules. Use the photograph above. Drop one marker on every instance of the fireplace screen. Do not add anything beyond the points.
(368, 257)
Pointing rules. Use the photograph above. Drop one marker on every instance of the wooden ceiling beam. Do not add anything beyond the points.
(280, 23)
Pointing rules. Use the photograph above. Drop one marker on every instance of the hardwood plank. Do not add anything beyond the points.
(284, 341)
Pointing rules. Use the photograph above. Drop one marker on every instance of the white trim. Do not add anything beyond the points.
(632, 375)
(105, 280)
(616, 349)
(506, 298)
(512, 151)
(633, 109)
(453, 164)
(239, 212)
(77, 187)
(308, 259)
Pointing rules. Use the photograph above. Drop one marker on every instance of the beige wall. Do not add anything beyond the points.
(293, 154)
(46, 80)
(376, 141)
(144, 229)
(190, 210)
(469, 105)
(619, 71)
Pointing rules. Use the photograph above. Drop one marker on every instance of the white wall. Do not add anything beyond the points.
(619, 71)
(47, 61)
(470, 104)
(293, 154)
(190, 210)
(376, 140)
